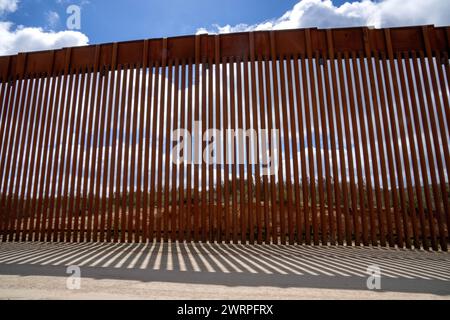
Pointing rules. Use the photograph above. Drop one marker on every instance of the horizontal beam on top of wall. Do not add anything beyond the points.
(196, 48)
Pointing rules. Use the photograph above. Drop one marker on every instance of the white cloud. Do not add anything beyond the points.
(8, 6)
(22, 39)
(324, 14)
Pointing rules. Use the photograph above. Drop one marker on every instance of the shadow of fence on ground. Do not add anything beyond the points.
(234, 264)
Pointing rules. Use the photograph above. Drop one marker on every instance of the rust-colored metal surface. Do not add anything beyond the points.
(346, 138)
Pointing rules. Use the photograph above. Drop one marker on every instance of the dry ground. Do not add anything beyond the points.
(218, 271)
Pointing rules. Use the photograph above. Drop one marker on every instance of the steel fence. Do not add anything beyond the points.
(344, 139)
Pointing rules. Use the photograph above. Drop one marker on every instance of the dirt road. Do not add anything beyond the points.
(218, 271)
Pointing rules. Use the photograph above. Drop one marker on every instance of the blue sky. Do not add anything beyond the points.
(106, 20)
(29, 25)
